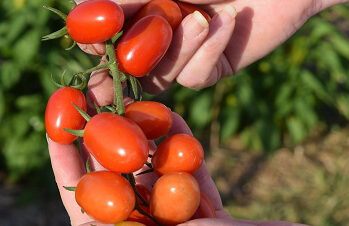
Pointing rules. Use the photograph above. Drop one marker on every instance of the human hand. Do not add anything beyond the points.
(68, 168)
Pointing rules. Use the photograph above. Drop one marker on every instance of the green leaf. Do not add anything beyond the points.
(229, 123)
(69, 188)
(200, 110)
(27, 47)
(296, 129)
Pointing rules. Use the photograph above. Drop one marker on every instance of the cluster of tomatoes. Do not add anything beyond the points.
(120, 142)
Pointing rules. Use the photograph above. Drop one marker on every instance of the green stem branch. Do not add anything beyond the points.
(114, 71)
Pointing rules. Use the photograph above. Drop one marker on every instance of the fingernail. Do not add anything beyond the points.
(231, 10)
(200, 19)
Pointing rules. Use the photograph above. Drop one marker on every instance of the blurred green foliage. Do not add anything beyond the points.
(278, 100)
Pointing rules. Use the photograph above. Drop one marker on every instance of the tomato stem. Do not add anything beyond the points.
(114, 71)
(147, 215)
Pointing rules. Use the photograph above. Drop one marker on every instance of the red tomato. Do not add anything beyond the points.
(175, 198)
(143, 45)
(106, 196)
(165, 8)
(94, 21)
(154, 118)
(206, 209)
(61, 113)
(116, 142)
(138, 217)
(178, 153)
(187, 8)
(144, 192)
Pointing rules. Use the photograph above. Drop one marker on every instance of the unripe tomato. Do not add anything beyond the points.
(165, 8)
(178, 153)
(61, 113)
(106, 196)
(138, 217)
(144, 192)
(154, 118)
(175, 198)
(143, 45)
(187, 8)
(206, 208)
(116, 142)
(94, 21)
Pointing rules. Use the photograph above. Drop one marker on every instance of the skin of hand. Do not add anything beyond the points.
(240, 32)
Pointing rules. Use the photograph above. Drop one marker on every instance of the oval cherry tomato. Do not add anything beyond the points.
(61, 113)
(116, 142)
(206, 209)
(187, 8)
(154, 118)
(165, 8)
(175, 198)
(94, 21)
(138, 217)
(143, 45)
(144, 192)
(178, 153)
(106, 196)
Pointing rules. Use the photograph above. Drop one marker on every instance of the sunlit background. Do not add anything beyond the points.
(276, 134)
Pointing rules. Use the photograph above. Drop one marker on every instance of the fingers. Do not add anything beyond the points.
(68, 169)
(202, 70)
(215, 221)
(186, 40)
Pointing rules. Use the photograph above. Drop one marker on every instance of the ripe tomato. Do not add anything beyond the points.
(165, 8)
(154, 118)
(187, 8)
(178, 153)
(94, 21)
(143, 45)
(116, 142)
(61, 113)
(106, 196)
(175, 198)
(206, 209)
(138, 217)
(144, 192)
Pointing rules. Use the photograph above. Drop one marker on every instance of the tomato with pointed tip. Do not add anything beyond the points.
(60, 113)
(174, 198)
(106, 196)
(144, 45)
(178, 153)
(138, 217)
(154, 118)
(206, 208)
(116, 142)
(165, 8)
(187, 8)
(94, 21)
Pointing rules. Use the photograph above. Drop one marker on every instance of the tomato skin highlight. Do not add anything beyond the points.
(206, 208)
(94, 21)
(60, 113)
(116, 142)
(106, 196)
(175, 198)
(143, 45)
(154, 118)
(187, 8)
(165, 8)
(178, 153)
